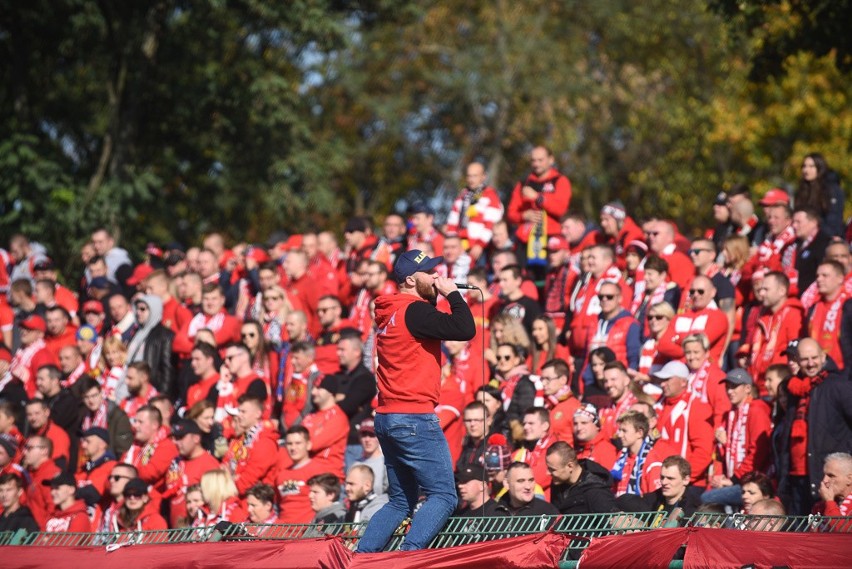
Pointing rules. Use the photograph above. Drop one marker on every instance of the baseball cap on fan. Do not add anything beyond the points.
(412, 262)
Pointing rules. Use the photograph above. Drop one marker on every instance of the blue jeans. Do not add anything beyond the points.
(728, 496)
(417, 459)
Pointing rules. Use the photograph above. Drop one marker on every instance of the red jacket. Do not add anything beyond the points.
(152, 466)
(39, 500)
(97, 475)
(451, 403)
(711, 322)
(292, 490)
(175, 315)
(68, 337)
(149, 519)
(752, 452)
(553, 199)
(772, 334)
(681, 269)
(228, 332)
(305, 290)
(59, 438)
(685, 424)
(600, 450)
(251, 458)
(74, 519)
(329, 430)
(182, 474)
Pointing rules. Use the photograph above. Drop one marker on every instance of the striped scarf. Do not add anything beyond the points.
(634, 485)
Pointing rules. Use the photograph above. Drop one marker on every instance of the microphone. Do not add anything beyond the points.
(466, 286)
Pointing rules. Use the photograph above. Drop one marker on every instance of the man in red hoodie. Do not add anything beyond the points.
(253, 450)
(409, 379)
(780, 321)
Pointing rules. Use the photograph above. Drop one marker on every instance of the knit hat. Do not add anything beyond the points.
(497, 456)
(616, 209)
(588, 411)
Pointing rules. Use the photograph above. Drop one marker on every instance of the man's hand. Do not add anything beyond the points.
(529, 193)
(721, 436)
(444, 285)
(531, 215)
(826, 491)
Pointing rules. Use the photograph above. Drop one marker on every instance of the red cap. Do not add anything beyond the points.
(293, 242)
(557, 243)
(258, 254)
(93, 306)
(34, 322)
(140, 273)
(775, 196)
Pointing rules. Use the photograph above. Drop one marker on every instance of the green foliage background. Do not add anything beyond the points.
(164, 119)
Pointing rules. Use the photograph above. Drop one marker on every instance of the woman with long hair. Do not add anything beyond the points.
(204, 415)
(221, 498)
(264, 359)
(113, 364)
(595, 393)
(276, 307)
(138, 512)
(545, 346)
(819, 189)
(507, 329)
(520, 390)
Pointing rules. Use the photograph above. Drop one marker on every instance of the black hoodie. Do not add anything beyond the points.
(592, 494)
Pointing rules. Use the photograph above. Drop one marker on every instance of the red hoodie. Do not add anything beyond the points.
(74, 519)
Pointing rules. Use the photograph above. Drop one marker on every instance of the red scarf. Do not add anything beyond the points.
(98, 419)
(802, 387)
(697, 381)
(735, 447)
(824, 326)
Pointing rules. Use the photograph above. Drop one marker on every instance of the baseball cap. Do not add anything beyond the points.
(95, 306)
(414, 261)
(421, 207)
(792, 349)
(135, 487)
(61, 479)
(356, 224)
(775, 196)
(471, 472)
(739, 376)
(367, 426)
(34, 322)
(185, 427)
(556, 243)
(672, 369)
(330, 383)
(99, 282)
(99, 432)
(44, 265)
(140, 273)
(721, 199)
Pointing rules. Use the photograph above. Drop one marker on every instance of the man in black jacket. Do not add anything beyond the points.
(579, 486)
(822, 397)
(675, 496)
(811, 242)
(519, 499)
(101, 412)
(356, 391)
(152, 343)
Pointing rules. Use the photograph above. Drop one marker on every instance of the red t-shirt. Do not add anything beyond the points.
(291, 484)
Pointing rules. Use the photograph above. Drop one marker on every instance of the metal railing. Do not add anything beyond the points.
(458, 531)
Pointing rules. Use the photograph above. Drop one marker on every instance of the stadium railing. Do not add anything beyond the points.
(458, 531)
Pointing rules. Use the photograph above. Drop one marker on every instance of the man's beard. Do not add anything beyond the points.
(427, 291)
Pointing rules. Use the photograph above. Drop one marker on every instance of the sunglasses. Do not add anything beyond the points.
(696, 291)
(504, 358)
(606, 296)
(656, 317)
(134, 495)
(697, 251)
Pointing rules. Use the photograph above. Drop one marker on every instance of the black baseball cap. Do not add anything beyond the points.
(185, 427)
(97, 432)
(471, 472)
(61, 479)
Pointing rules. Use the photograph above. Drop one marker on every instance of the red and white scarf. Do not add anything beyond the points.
(98, 419)
(75, 375)
(697, 381)
(824, 326)
(201, 321)
(140, 455)
(735, 447)
(24, 357)
(647, 355)
(109, 381)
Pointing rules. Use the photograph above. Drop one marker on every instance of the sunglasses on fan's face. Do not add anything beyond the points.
(696, 292)
(504, 357)
(606, 296)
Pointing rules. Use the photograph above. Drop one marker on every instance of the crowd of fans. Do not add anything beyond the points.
(618, 365)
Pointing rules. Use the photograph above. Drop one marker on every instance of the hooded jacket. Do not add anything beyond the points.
(591, 494)
(152, 344)
(409, 349)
